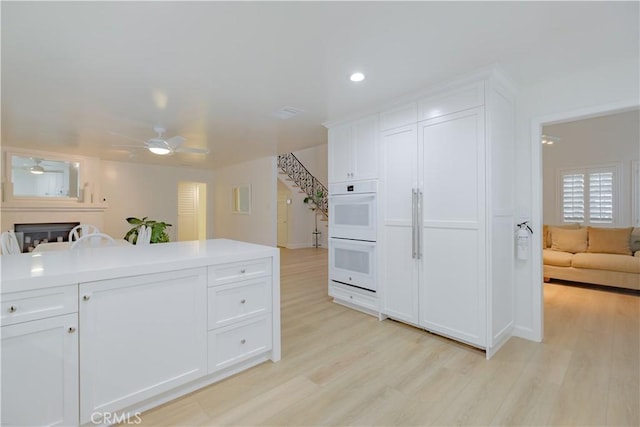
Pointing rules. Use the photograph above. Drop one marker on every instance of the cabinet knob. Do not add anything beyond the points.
(350, 279)
(242, 301)
(86, 297)
(13, 309)
(244, 270)
(71, 329)
(243, 341)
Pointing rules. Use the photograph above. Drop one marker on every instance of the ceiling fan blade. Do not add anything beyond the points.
(192, 150)
(176, 141)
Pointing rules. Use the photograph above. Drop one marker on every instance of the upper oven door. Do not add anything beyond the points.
(353, 216)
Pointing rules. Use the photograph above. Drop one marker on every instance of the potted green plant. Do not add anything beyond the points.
(314, 200)
(158, 230)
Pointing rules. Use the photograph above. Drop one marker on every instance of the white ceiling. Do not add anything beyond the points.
(75, 73)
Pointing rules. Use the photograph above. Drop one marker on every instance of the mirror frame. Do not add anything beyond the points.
(8, 176)
(241, 199)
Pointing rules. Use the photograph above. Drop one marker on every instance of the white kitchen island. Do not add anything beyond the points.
(94, 336)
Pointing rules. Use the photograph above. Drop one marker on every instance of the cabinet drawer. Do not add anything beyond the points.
(238, 342)
(25, 306)
(451, 101)
(225, 273)
(236, 301)
(352, 295)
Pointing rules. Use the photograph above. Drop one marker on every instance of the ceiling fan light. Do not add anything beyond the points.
(36, 170)
(161, 151)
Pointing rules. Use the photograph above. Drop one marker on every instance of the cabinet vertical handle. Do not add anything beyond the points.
(414, 196)
(420, 222)
(71, 329)
(13, 309)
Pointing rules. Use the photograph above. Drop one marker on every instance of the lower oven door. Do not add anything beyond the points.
(352, 262)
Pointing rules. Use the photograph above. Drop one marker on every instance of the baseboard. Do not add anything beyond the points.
(526, 333)
(297, 245)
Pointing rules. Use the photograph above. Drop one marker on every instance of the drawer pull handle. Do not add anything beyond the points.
(13, 309)
(242, 301)
(350, 296)
(243, 341)
(244, 270)
(350, 279)
(71, 329)
(86, 298)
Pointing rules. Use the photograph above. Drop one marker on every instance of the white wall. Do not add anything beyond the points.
(301, 221)
(141, 190)
(260, 225)
(611, 84)
(315, 160)
(591, 142)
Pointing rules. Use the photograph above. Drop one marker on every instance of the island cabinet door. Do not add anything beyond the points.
(40, 372)
(140, 336)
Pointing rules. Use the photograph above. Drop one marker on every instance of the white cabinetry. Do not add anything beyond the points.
(446, 214)
(353, 150)
(40, 358)
(240, 324)
(140, 336)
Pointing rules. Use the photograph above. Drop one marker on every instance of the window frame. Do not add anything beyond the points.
(586, 171)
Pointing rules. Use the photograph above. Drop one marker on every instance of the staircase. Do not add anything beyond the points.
(309, 184)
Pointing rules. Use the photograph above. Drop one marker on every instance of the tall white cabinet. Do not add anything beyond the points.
(446, 214)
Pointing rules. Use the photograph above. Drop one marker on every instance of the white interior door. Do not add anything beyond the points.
(191, 211)
(283, 217)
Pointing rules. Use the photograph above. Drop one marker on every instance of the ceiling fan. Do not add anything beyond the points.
(38, 169)
(161, 146)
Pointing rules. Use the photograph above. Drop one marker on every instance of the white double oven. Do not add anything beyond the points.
(352, 234)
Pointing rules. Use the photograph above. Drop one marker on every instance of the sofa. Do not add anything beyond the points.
(596, 255)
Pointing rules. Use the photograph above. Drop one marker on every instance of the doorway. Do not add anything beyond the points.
(192, 211)
(537, 192)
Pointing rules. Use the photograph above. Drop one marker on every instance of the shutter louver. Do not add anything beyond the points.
(573, 197)
(601, 197)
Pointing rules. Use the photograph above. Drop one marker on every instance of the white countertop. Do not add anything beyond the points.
(29, 271)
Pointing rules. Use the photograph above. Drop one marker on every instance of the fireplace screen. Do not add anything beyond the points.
(31, 235)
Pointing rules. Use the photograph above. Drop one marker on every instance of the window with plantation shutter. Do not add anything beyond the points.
(573, 197)
(601, 197)
(589, 195)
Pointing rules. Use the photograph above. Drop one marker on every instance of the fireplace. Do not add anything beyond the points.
(30, 235)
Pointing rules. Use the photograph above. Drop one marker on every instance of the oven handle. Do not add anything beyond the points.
(414, 197)
(354, 197)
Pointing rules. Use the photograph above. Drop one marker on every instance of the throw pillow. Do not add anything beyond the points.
(634, 241)
(545, 236)
(550, 228)
(609, 240)
(567, 240)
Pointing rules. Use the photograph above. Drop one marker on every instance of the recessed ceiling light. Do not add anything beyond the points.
(356, 77)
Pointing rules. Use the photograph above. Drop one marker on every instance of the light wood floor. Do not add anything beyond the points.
(341, 367)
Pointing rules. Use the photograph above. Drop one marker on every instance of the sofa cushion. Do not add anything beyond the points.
(557, 258)
(637, 254)
(609, 240)
(609, 262)
(634, 241)
(567, 240)
(547, 229)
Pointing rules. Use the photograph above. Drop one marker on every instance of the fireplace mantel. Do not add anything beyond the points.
(46, 206)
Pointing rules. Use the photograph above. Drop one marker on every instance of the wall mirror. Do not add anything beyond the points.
(48, 178)
(242, 199)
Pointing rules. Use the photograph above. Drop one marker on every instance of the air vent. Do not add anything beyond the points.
(287, 112)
